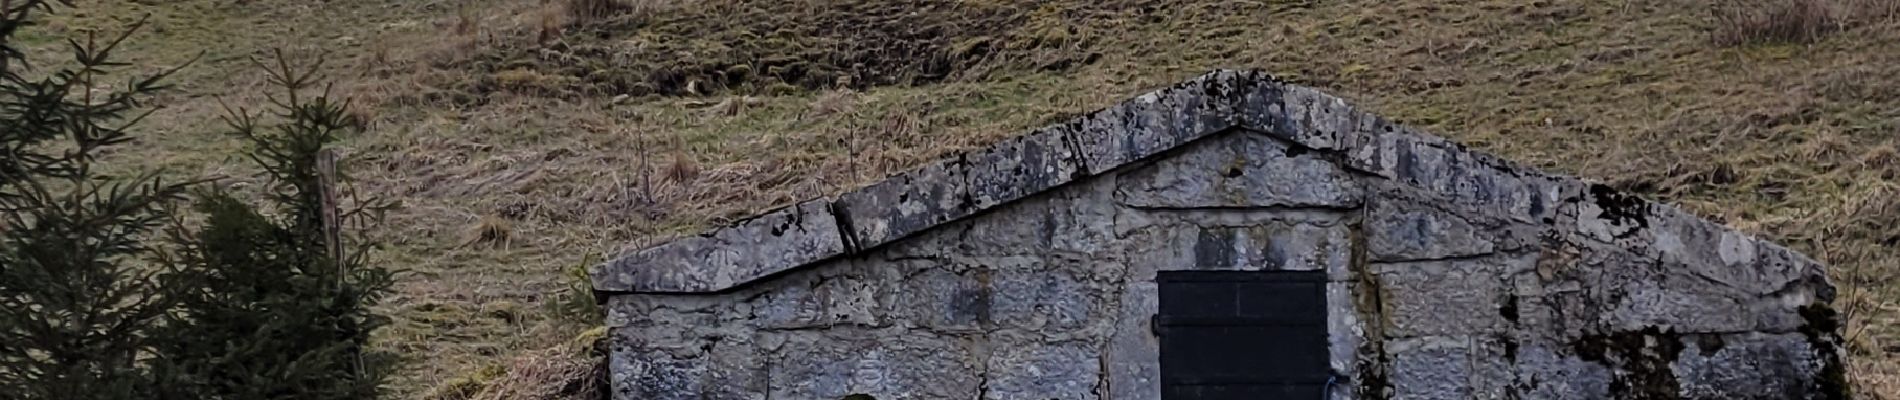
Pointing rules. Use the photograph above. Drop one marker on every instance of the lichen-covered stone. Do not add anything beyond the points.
(1317, 119)
(1747, 366)
(1546, 372)
(903, 367)
(1668, 300)
(1134, 367)
(1053, 371)
(1609, 216)
(1441, 298)
(732, 369)
(1434, 367)
(1239, 171)
(1045, 300)
(946, 301)
(655, 375)
(1158, 121)
(1492, 374)
(1444, 169)
(1029, 270)
(759, 246)
(1272, 247)
(1397, 231)
(1345, 332)
(838, 300)
(1022, 166)
(907, 203)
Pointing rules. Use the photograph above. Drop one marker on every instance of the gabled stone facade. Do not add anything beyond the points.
(1028, 271)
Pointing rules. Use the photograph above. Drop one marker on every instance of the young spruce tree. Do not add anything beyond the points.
(284, 311)
(81, 288)
(245, 304)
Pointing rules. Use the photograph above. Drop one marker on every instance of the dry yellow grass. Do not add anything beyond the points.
(571, 371)
(496, 113)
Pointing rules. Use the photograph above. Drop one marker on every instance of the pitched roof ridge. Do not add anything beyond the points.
(968, 183)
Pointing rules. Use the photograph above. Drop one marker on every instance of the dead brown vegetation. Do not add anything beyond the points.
(1797, 21)
(590, 10)
(734, 46)
(516, 112)
(1794, 21)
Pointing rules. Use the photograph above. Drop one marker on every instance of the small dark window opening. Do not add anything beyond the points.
(1242, 335)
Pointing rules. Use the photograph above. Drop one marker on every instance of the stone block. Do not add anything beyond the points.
(938, 242)
(944, 300)
(1460, 176)
(1044, 371)
(907, 203)
(1545, 371)
(1086, 222)
(748, 250)
(1316, 119)
(1156, 122)
(1747, 366)
(1493, 377)
(1781, 269)
(1397, 230)
(1441, 298)
(1134, 353)
(1487, 183)
(1366, 147)
(656, 325)
(1074, 218)
(1021, 229)
(1375, 148)
(814, 365)
(1679, 302)
(844, 299)
(1273, 247)
(1680, 237)
(1610, 216)
(1049, 300)
(734, 369)
(1239, 170)
(1261, 104)
(638, 374)
(1430, 368)
(1345, 331)
(1559, 316)
(652, 309)
(1021, 166)
(1424, 161)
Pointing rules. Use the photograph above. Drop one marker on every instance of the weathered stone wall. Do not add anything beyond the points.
(1451, 275)
(1049, 298)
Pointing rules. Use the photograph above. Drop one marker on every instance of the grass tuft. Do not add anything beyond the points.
(1772, 21)
(1795, 21)
(593, 10)
(466, 387)
(492, 230)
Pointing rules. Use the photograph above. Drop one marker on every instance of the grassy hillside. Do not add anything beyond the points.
(526, 136)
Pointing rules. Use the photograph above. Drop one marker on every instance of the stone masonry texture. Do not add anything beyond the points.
(1027, 271)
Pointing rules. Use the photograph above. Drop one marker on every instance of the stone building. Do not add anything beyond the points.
(1229, 237)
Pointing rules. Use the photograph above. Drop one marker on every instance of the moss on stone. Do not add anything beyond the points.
(1823, 332)
(1643, 355)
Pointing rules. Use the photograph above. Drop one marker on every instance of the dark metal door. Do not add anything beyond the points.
(1242, 335)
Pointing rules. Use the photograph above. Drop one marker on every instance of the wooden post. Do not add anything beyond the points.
(332, 220)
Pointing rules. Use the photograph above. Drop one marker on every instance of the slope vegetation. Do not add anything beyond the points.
(527, 136)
